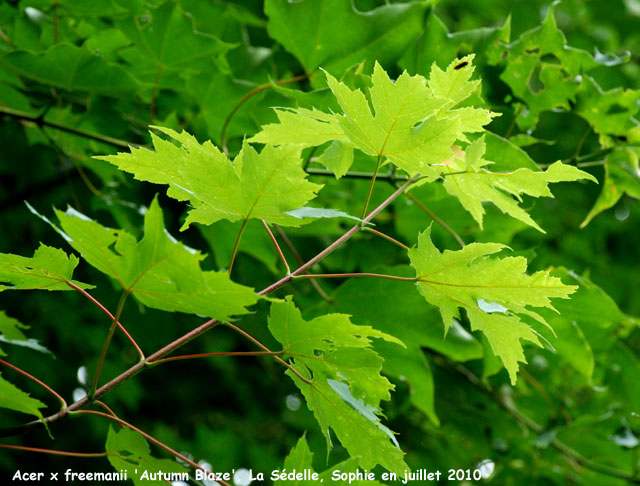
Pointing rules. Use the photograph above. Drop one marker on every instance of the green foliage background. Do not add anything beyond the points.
(111, 68)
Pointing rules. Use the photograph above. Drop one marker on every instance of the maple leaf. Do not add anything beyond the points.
(159, 271)
(413, 123)
(494, 292)
(48, 269)
(255, 185)
(344, 386)
(466, 178)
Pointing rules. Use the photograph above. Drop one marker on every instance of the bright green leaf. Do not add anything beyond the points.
(301, 126)
(472, 184)
(337, 157)
(374, 302)
(159, 271)
(459, 279)
(48, 269)
(256, 185)
(413, 123)
(344, 387)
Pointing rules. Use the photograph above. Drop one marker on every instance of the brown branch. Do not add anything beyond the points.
(198, 331)
(210, 355)
(262, 346)
(275, 243)
(437, 219)
(314, 283)
(106, 311)
(331, 248)
(107, 342)
(386, 237)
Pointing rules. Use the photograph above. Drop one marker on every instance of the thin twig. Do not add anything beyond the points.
(6, 38)
(435, 217)
(106, 311)
(54, 452)
(300, 261)
(333, 246)
(262, 346)
(583, 139)
(107, 342)
(194, 333)
(106, 407)
(39, 382)
(386, 237)
(275, 243)
(211, 355)
(309, 158)
(122, 377)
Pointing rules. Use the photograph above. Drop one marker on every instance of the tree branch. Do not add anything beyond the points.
(107, 342)
(198, 331)
(386, 237)
(437, 219)
(331, 248)
(300, 261)
(106, 311)
(275, 243)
